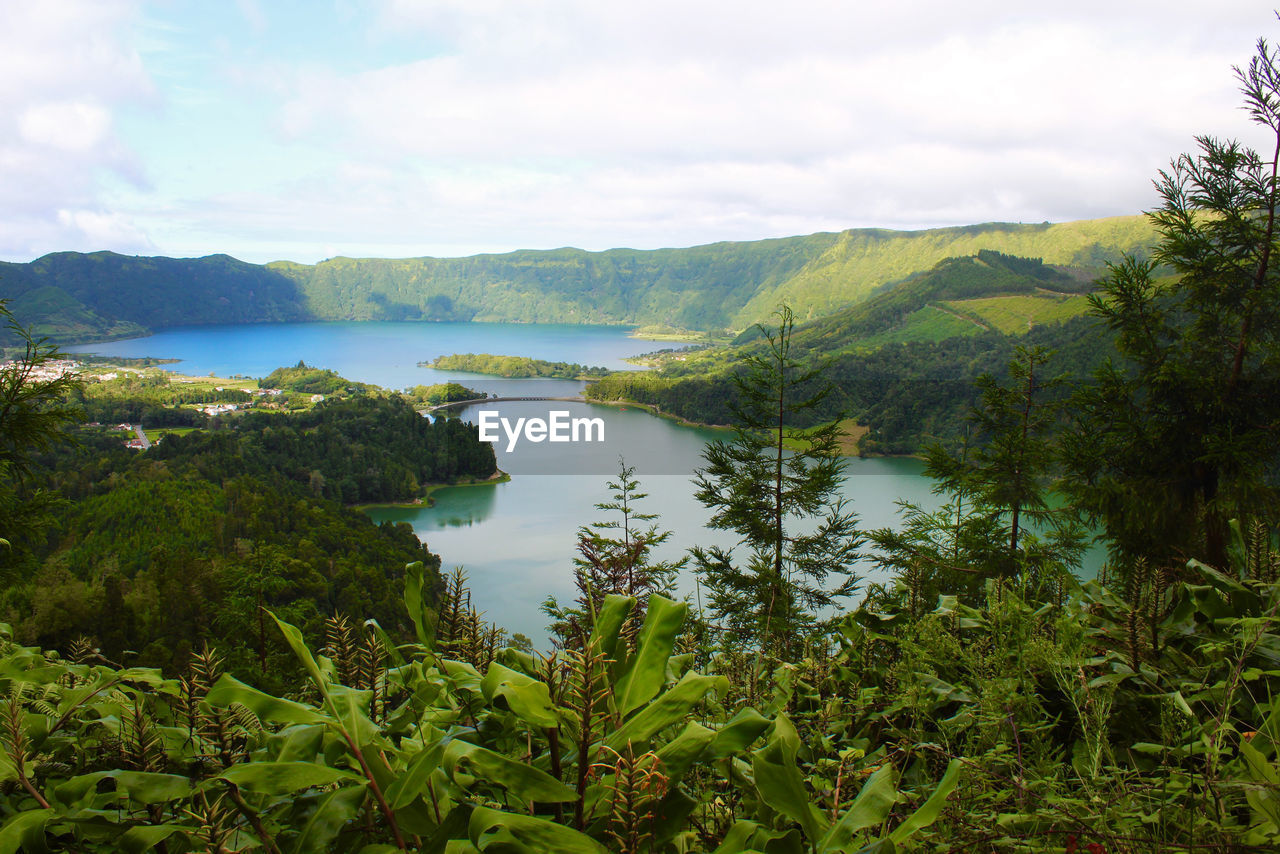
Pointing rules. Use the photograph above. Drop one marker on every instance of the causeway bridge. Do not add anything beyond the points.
(451, 404)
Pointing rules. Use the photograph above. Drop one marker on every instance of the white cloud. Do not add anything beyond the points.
(598, 124)
(576, 122)
(66, 66)
(72, 126)
(101, 228)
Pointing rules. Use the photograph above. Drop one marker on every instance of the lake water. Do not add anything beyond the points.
(516, 540)
(386, 354)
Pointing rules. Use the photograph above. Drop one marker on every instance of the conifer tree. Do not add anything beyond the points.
(616, 553)
(33, 412)
(616, 557)
(1178, 437)
(1005, 477)
(776, 487)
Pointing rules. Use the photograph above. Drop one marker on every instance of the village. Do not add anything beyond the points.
(138, 437)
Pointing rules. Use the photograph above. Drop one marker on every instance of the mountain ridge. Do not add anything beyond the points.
(714, 287)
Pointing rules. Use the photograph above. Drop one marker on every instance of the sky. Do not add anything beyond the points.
(394, 128)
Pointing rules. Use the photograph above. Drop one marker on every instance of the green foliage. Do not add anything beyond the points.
(434, 395)
(101, 293)
(612, 747)
(1014, 315)
(61, 316)
(304, 379)
(904, 362)
(156, 552)
(1000, 725)
(615, 558)
(763, 493)
(913, 308)
(1175, 438)
(1006, 475)
(980, 699)
(512, 366)
(33, 415)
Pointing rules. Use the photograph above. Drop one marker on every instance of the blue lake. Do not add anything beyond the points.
(517, 540)
(386, 354)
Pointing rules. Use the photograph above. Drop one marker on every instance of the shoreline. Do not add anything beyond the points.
(425, 500)
(848, 448)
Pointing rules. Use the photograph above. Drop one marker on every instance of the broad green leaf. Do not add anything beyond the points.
(351, 707)
(779, 782)
(528, 698)
(138, 840)
(928, 812)
(332, 812)
(609, 619)
(410, 782)
(1181, 703)
(869, 809)
(738, 734)
(737, 840)
(25, 831)
(671, 816)
(293, 637)
(414, 587)
(228, 690)
(672, 706)
(501, 829)
(280, 778)
(144, 787)
(683, 750)
(299, 743)
(523, 781)
(945, 691)
(749, 837)
(463, 674)
(647, 669)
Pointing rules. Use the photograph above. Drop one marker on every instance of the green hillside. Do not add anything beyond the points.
(717, 287)
(1015, 314)
(865, 259)
(701, 287)
(72, 296)
(903, 361)
(989, 291)
(62, 315)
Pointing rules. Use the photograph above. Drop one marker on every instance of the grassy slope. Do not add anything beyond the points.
(1015, 314)
(957, 297)
(863, 260)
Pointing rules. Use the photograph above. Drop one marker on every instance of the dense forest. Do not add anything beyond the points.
(158, 553)
(983, 698)
(908, 394)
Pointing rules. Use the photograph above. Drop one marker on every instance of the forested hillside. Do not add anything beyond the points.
(722, 286)
(114, 295)
(903, 362)
(160, 552)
